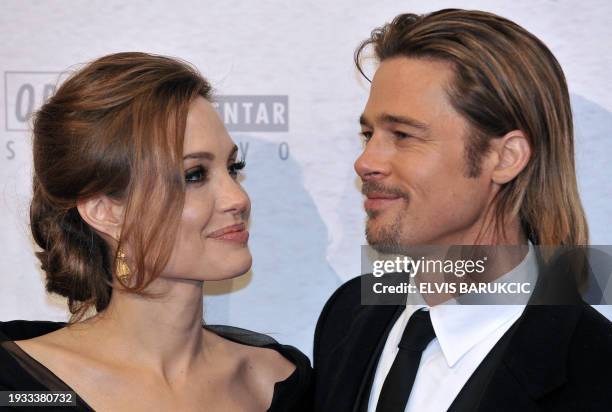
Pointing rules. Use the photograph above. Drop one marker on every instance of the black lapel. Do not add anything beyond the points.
(363, 395)
(534, 363)
(529, 360)
(354, 356)
(537, 355)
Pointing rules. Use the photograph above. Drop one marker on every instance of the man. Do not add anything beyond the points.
(468, 141)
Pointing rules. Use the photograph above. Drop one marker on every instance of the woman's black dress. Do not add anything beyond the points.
(21, 372)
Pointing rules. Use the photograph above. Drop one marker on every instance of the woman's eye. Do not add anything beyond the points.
(195, 175)
(235, 167)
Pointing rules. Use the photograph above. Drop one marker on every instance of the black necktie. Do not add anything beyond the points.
(398, 383)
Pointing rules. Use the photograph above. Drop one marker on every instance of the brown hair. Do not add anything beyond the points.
(504, 79)
(115, 128)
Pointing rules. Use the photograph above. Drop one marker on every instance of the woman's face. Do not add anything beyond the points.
(212, 238)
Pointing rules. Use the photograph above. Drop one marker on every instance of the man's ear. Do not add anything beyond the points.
(513, 153)
(104, 214)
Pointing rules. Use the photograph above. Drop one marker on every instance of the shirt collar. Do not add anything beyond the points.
(461, 327)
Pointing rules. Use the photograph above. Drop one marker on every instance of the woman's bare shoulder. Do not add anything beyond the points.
(63, 350)
(257, 364)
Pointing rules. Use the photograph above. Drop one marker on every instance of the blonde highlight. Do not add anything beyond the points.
(504, 79)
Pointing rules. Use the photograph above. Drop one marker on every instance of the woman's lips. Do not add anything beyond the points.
(234, 233)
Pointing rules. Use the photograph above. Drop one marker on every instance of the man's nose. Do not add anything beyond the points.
(374, 163)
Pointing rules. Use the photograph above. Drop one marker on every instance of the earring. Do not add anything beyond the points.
(123, 270)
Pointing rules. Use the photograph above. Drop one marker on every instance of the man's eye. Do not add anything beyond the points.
(195, 175)
(400, 135)
(235, 167)
(366, 136)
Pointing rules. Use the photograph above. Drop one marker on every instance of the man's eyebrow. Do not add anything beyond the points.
(363, 121)
(199, 155)
(392, 118)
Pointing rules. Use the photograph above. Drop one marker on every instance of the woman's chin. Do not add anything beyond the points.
(233, 266)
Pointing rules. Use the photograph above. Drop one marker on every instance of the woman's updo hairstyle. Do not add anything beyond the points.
(115, 127)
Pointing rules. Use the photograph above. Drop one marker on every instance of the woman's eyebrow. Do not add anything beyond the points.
(199, 155)
(208, 155)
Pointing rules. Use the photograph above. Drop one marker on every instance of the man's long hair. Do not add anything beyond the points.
(504, 79)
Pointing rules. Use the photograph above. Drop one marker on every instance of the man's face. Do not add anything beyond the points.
(413, 166)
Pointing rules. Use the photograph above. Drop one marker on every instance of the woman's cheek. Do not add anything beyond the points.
(196, 213)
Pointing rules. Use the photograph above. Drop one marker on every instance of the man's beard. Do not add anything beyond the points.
(385, 239)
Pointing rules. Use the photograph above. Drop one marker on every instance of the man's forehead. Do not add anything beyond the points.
(414, 88)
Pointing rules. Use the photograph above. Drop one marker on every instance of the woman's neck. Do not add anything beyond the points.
(162, 333)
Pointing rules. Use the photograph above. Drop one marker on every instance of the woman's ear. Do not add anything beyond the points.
(103, 214)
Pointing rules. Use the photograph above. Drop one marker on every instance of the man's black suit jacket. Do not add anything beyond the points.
(555, 358)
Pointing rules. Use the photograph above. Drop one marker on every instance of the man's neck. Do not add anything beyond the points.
(502, 250)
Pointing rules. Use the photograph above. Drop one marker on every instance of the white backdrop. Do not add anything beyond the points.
(307, 222)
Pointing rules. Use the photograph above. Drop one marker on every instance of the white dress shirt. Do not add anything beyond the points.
(464, 336)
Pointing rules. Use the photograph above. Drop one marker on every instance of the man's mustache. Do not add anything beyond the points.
(375, 187)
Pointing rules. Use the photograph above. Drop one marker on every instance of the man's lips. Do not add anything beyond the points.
(233, 233)
(377, 200)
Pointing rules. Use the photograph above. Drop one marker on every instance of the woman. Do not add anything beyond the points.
(136, 203)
